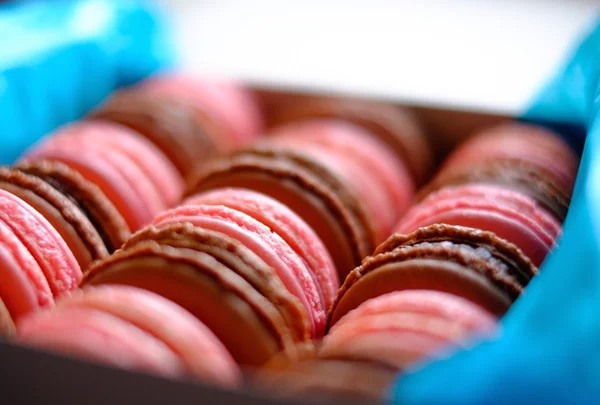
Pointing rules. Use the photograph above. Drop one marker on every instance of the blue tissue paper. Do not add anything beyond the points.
(60, 58)
(549, 351)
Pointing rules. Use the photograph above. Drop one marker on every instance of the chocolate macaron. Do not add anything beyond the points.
(250, 326)
(307, 187)
(63, 214)
(398, 128)
(466, 262)
(185, 136)
(85, 195)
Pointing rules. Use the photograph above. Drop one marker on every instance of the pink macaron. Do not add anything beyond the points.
(511, 215)
(267, 245)
(133, 187)
(201, 354)
(232, 107)
(520, 141)
(401, 328)
(285, 223)
(98, 336)
(22, 226)
(380, 179)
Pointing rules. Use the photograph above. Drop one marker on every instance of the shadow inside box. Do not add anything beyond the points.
(33, 377)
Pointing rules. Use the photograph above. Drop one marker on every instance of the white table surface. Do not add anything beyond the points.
(483, 55)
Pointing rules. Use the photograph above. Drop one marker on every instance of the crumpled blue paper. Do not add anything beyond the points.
(549, 352)
(59, 58)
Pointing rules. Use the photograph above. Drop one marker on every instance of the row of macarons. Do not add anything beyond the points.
(258, 249)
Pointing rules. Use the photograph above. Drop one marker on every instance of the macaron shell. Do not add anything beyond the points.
(244, 321)
(7, 325)
(299, 189)
(520, 141)
(517, 175)
(437, 304)
(17, 290)
(57, 262)
(536, 245)
(197, 347)
(418, 274)
(398, 128)
(88, 197)
(267, 245)
(364, 187)
(284, 222)
(149, 198)
(364, 147)
(97, 336)
(520, 202)
(64, 215)
(240, 260)
(104, 170)
(176, 128)
(151, 161)
(228, 103)
(485, 245)
(399, 350)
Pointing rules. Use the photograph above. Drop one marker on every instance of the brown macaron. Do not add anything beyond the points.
(308, 188)
(516, 174)
(238, 259)
(93, 203)
(63, 214)
(467, 262)
(183, 135)
(247, 323)
(396, 127)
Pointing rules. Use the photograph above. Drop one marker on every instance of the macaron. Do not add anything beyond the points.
(82, 146)
(380, 179)
(534, 144)
(250, 326)
(62, 213)
(185, 136)
(232, 107)
(511, 215)
(270, 247)
(398, 128)
(286, 224)
(473, 318)
(99, 337)
(85, 195)
(239, 259)
(24, 288)
(470, 263)
(404, 327)
(308, 188)
(516, 174)
(53, 256)
(200, 354)
(151, 160)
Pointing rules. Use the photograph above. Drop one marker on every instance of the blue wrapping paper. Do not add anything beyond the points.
(549, 351)
(60, 58)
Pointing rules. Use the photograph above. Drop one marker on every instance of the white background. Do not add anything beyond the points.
(485, 55)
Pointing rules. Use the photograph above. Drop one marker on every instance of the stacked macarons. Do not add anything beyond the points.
(244, 264)
(74, 199)
(188, 119)
(197, 268)
(461, 255)
(336, 171)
